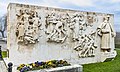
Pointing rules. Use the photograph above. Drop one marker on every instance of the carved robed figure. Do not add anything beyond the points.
(106, 32)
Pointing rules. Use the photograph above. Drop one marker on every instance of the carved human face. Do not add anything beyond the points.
(106, 19)
(21, 12)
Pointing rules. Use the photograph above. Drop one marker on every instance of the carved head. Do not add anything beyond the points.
(21, 12)
(26, 11)
(81, 16)
(106, 18)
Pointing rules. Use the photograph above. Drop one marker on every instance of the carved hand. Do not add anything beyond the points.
(113, 34)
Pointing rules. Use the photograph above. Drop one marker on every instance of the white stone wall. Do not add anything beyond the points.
(38, 33)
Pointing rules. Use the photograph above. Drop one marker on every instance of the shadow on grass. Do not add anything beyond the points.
(117, 46)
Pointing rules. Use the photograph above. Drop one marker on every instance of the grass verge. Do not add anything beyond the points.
(111, 66)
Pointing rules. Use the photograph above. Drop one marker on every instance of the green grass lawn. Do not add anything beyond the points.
(111, 66)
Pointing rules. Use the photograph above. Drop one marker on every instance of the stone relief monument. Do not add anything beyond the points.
(43, 33)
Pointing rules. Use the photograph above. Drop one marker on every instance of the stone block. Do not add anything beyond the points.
(73, 68)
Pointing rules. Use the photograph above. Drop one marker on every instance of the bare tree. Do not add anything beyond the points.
(3, 25)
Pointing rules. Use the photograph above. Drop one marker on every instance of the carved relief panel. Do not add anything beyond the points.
(28, 26)
(55, 28)
(85, 43)
(58, 27)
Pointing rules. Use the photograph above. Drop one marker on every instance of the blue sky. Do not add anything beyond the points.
(103, 6)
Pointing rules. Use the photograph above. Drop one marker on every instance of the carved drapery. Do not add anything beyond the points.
(106, 32)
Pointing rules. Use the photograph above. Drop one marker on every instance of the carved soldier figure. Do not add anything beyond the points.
(20, 15)
(91, 44)
(36, 26)
(21, 31)
(26, 18)
(86, 45)
(76, 23)
(106, 32)
(20, 26)
(50, 22)
(82, 23)
(60, 30)
(36, 22)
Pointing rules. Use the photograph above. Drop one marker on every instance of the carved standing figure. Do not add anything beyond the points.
(20, 30)
(105, 30)
(76, 23)
(36, 26)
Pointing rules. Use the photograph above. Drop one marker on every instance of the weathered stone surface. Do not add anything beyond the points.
(73, 68)
(43, 33)
(3, 67)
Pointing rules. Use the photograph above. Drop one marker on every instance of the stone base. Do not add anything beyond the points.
(108, 55)
(73, 68)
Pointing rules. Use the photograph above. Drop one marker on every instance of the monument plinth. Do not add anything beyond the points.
(36, 33)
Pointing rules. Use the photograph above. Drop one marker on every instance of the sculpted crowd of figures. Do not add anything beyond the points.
(59, 27)
(28, 26)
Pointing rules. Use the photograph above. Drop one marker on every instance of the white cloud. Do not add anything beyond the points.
(115, 0)
(49, 3)
(105, 6)
(79, 2)
(4, 4)
(3, 9)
